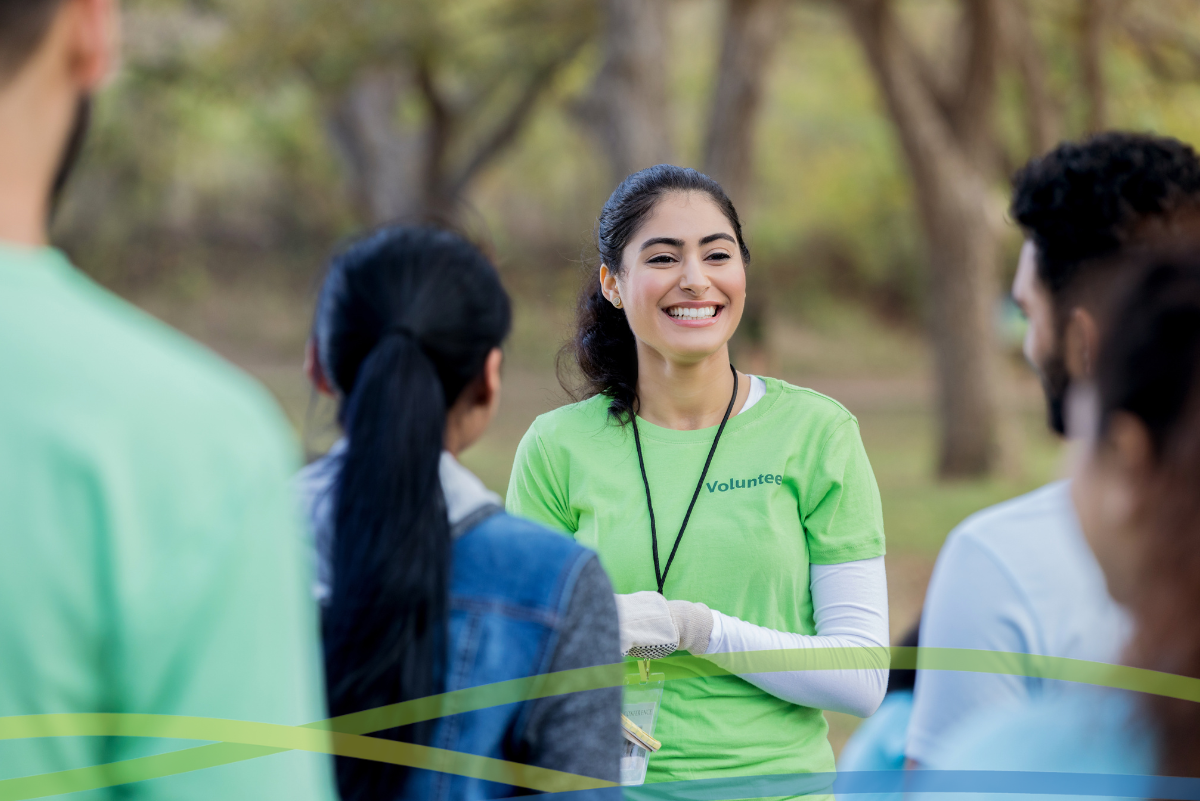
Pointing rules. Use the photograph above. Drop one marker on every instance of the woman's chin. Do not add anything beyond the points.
(689, 350)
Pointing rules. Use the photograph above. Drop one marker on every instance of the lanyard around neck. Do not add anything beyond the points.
(661, 577)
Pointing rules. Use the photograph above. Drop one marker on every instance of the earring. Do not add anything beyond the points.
(617, 301)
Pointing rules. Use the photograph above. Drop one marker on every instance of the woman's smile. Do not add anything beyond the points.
(694, 314)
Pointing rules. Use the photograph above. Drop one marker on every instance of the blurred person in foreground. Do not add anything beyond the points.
(150, 544)
(1134, 487)
(1018, 577)
(428, 586)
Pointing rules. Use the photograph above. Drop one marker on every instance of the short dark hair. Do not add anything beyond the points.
(23, 25)
(1085, 201)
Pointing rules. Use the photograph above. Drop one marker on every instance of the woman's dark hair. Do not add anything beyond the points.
(903, 679)
(603, 346)
(405, 321)
(23, 27)
(1149, 367)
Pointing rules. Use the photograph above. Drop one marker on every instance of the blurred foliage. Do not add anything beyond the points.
(211, 150)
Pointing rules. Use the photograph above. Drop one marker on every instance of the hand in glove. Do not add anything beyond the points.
(653, 627)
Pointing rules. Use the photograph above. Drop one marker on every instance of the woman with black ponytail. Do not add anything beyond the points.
(748, 502)
(427, 586)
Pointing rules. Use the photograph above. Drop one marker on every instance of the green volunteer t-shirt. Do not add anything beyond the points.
(151, 560)
(789, 486)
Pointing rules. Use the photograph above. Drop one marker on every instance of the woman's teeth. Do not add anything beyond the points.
(687, 313)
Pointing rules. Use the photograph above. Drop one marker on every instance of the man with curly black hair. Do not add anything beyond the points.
(1078, 205)
(1018, 577)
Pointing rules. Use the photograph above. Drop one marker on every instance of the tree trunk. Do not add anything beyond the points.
(627, 108)
(1043, 118)
(383, 164)
(1091, 59)
(752, 29)
(397, 172)
(950, 160)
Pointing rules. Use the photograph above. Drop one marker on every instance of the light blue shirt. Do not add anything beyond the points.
(1099, 737)
(1018, 578)
(878, 744)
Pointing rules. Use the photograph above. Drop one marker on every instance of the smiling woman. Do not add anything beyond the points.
(644, 468)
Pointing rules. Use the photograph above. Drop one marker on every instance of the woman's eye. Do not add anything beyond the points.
(662, 258)
(719, 256)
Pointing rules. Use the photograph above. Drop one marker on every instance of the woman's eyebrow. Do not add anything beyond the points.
(661, 240)
(715, 237)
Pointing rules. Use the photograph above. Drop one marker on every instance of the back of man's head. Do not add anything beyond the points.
(1085, 201)
(23, 24)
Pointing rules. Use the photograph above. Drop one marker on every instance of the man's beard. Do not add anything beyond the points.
(1055, 383)
(71, 151)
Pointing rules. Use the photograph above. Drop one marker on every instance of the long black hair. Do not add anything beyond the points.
(405, 321)
(603, 347)
(1149, 367)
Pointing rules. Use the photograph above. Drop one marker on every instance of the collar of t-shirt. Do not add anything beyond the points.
(468, 501)
(758, 390)
(465, 494)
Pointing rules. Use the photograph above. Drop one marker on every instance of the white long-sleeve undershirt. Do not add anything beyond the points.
(850, 609)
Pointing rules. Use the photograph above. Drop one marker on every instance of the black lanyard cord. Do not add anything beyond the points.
(662, 577)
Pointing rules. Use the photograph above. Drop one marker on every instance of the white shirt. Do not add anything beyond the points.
(1017, 577)
(464, 493)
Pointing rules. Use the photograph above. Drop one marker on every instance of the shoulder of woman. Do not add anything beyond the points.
(574, 419)
(802, 400)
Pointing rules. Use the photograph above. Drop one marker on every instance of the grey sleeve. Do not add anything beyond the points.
(581, 732)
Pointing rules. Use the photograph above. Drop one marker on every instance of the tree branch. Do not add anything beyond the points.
(923, 129)
(510, 125)
(1093, 24)
(1043, 115)
(974, 106)
(751, 30)
(1152, 38)
(439, 129)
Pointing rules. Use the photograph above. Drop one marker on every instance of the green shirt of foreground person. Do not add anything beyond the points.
(151, 562)
(150, 558)
(787, 520)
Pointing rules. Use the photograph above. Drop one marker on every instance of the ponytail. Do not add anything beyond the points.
(385, 633)
(405, 322)
(603, 347)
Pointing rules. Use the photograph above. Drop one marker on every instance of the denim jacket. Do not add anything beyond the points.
(511, 583)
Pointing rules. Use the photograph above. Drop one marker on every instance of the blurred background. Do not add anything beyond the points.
(867, 143)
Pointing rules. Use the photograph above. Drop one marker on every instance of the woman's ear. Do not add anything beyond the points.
(95, 35)
(608, 284)
(1082, 341)
(1131, 442)
(491, 377)
(313, 369)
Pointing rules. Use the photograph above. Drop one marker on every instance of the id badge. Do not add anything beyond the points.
(641, 700)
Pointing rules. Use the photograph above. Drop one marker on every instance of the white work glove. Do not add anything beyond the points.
(653, 627)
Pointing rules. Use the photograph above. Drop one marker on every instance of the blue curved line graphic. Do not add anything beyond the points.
(898, 782)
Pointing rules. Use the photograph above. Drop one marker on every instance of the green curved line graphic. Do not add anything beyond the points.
(236, 741)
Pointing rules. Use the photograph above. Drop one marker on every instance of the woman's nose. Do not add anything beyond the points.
(693, 279)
